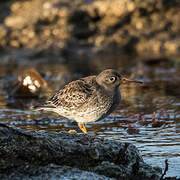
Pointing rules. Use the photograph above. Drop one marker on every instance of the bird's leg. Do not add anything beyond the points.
(82, 127)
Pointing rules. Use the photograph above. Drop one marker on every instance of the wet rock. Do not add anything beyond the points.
(30, 84)
(24, 90)
(21, 151)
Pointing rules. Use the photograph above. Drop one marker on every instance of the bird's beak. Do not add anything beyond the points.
(124, 80)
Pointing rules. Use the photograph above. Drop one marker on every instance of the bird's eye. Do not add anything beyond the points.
(112, 79)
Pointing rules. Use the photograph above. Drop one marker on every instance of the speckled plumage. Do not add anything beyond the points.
(88, 99)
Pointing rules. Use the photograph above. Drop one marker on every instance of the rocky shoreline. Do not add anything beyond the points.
(82, 28)
(74, 35)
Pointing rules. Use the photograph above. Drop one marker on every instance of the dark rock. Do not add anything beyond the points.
(51, 172)
(23, 152)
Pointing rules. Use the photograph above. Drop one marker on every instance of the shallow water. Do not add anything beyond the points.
(148, 116)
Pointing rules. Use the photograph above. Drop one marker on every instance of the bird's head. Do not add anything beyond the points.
(111, 79)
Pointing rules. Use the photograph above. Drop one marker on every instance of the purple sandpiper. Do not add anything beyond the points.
(88, 99)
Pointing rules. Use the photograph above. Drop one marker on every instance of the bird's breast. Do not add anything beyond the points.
(117, 96)
(115, 101)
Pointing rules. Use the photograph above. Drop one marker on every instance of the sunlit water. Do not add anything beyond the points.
(148, 116)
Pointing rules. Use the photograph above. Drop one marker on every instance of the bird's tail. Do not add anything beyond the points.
(44, 106)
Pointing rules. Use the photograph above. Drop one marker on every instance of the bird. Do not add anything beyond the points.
(88, 99)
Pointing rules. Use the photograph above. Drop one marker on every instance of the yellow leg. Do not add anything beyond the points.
(83, 128)
(85, 131)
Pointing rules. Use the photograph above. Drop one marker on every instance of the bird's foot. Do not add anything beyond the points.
(83, 128)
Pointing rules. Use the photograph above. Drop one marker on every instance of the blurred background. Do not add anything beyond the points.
(45, 44)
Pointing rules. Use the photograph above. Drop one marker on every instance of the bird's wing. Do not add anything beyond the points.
(73, 95)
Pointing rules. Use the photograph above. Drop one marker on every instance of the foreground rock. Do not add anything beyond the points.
(51, 172)
(28, 154)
